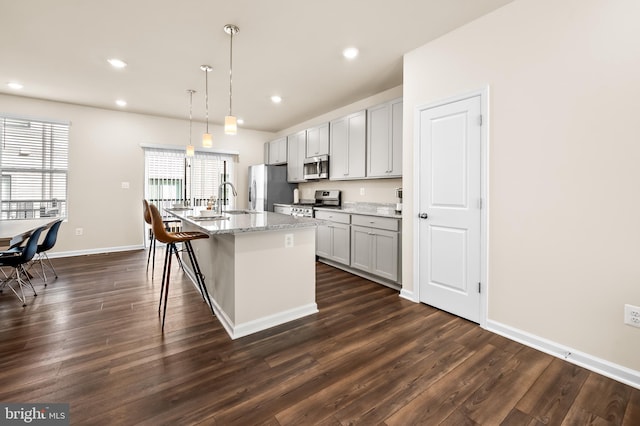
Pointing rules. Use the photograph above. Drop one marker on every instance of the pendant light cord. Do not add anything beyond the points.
(230, 71)
(190, 114)
(206, 94)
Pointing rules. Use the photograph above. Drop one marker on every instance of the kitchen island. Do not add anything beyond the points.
(259, 267)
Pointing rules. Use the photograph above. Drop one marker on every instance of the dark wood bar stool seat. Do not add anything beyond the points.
(152, 238)
(171, 239)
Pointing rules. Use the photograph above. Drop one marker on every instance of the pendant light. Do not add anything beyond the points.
(230, 122)
(207, 140)
(190, 149)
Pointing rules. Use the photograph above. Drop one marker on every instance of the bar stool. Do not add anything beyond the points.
(170, 239)
(152, 239)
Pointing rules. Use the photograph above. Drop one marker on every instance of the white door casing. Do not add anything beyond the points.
(450, 190)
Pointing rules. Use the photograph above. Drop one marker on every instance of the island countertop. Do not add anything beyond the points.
(237, 221)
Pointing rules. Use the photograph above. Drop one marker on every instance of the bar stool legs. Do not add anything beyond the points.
(152, 248)
(199, 276)
(166, 273)
(170, 239)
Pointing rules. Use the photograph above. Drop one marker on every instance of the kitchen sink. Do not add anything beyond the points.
(239, 212)
(206, 218)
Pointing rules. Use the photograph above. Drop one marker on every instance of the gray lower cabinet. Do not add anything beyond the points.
(375, 251)
(364, 243)
(333, 239)
(375, 245)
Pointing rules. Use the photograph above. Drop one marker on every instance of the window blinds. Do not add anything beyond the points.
(171, 178)
(34, 159)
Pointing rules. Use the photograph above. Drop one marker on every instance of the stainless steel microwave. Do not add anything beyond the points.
(316, 167)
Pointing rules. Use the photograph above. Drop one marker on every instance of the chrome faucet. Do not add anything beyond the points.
(220, 191)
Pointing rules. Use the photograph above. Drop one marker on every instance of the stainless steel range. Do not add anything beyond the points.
(322, 199)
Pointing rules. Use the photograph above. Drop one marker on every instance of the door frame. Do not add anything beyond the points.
(484, 185)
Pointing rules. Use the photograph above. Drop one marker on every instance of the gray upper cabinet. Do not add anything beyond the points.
(295, 156)
(384, 140)
(348, 138)
(278, 151)
(318, 140)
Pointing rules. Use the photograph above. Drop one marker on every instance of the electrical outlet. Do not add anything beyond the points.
(632, 315)
(124, 185)
(361, 191)
(288, 240)
(79, 231)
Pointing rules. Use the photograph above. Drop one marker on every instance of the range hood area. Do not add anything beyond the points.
(316, 167)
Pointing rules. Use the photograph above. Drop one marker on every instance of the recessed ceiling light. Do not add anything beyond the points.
(350, 52)
(240, 121)
(15, 85)
(117, 63)
(121, 103)
(276, 99)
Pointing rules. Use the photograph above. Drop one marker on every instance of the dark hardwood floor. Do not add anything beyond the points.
(92, 338)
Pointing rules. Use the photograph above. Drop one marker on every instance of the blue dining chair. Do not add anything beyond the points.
(47, 244)
(18, 260)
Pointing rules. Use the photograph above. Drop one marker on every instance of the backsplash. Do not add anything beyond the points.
(375, 190)
(380, 208)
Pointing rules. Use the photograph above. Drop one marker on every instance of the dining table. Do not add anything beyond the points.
(15, 231)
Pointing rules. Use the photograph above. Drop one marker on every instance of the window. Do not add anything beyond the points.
(171, 178)
(34, 159)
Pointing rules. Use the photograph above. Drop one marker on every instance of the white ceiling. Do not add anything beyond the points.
(58, 51)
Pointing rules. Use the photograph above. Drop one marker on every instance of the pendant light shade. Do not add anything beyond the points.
(190, 151)
(230, 121)
(207, 139)
(230, 125)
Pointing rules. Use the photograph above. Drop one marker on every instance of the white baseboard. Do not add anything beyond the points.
(616, 372)
(409, 295)
(236, 331)
(103, 250)
(250, 327)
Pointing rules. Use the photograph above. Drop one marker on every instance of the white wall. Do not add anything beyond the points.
(376, 190)
(564, 231)
(104, 150)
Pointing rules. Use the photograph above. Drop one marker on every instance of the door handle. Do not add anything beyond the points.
(423, 216)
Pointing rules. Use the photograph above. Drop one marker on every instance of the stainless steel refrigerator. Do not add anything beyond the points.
(268, 185)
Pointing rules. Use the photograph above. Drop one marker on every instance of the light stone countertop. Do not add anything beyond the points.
(368, 209)
(245, 221)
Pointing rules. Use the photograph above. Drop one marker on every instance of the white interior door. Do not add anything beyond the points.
(450, 203)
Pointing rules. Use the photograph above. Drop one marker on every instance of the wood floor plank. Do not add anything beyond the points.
(93, 339)
(490, 404)
(550, 398)
(600, 400)
(437, 402)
